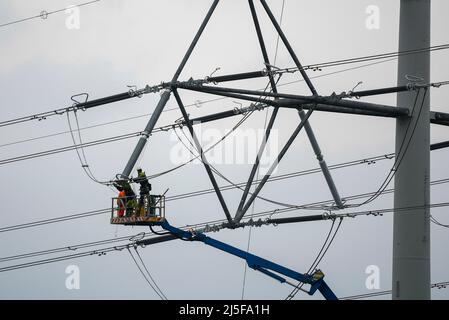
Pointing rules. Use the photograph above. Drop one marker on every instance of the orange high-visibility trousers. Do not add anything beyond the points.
(121, 204)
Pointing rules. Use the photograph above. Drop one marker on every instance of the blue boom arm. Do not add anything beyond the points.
(316, 281)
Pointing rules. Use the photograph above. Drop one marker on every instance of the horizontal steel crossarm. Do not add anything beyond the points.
(327, 104)
(439, 118)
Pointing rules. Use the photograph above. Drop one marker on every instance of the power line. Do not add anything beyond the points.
(245, 266)
(55, 220)
(186, 106)
(149, 274)
(367, 161)
(81, 145)
(312, 266)
(103, 141)
(145, 276)
(86, 105)
(315, 205)
(85, 145)
(278, 37)
(373, 57)
(438, 223)
(377, 193)
(258, 196)
(233, 185)
(339, 71)
(44, 115)
(76, 146)
(72, 248)
(217, 172)
(129, 238)
(239, 123)
(44, 14)
(207, 228)
(166, 110)
(319, 257)
(315, 67)
(386, 181)
(401, 153)
(208, 191)
(84, 164)
(106, 250)
(76, 247)
(68, 131)
(438, 285)
(70, 148)
(379, 212)
(99, 252)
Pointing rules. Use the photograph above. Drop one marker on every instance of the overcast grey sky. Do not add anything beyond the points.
(122, 42)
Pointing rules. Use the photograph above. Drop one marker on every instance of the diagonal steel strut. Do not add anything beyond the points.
(203, 157)
(289, 47)
(273, 115)
(308, 127)
(273, 167)
(324, 168)
(164, 99)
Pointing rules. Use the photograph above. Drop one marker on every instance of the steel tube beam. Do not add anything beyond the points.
(106, 100)
(289, 47)
(213, 117)
(299, 99)
(284, 150)
(440, 122)
(238, 76)
(221, 115)
(358, 105)
(195, 41)
(438, 146)
(273, 115)
(374, 92)
(262, 45)
(307, 126)
(159, 239)
(336, 109)
(319, 217)
(164, 99)
(203, 157)
(293, 104)
(210, 90)
(319, 155)
(146, 134)
(439, 118)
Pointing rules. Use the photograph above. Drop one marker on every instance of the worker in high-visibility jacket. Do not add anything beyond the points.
(121, 203)
(144, 206)
(129, 198)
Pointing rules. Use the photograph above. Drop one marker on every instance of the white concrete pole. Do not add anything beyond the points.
(411, 234)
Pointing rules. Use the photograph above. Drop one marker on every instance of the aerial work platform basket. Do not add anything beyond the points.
(138, 210)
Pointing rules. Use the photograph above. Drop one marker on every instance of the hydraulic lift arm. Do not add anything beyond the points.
(316, 280)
